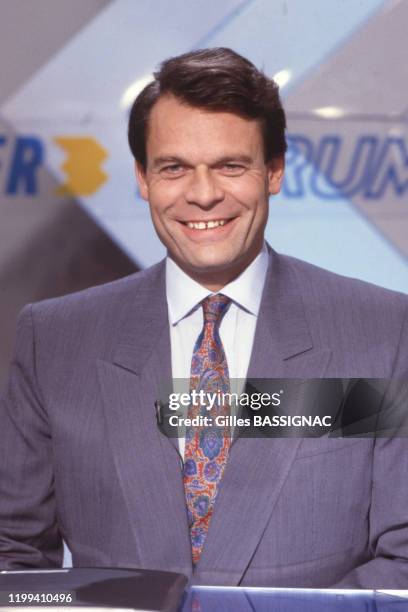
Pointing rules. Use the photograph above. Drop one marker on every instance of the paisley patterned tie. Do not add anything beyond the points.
(206, 449)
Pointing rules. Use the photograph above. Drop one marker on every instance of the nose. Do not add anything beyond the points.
(203, 189)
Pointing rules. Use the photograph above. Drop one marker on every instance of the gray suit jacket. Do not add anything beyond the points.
(81, 457)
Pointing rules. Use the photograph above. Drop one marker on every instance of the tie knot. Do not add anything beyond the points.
(214, 307)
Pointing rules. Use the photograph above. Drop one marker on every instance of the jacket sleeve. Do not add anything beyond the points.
(29, 536)
(388, 520)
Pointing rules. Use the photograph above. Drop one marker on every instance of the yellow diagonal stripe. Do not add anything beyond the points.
(82, 166)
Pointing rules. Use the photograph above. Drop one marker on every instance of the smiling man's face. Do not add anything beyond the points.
(207, 185)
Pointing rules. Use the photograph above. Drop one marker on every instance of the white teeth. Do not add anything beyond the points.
(201, 225)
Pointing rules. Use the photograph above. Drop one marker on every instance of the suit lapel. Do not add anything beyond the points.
(283, 345)
(148, 466)
(258, 467)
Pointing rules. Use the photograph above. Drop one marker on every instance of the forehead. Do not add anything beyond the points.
(177, 129)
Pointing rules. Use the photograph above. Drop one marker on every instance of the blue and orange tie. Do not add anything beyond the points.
(206, 449)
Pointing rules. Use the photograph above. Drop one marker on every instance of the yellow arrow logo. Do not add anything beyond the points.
(82, 166)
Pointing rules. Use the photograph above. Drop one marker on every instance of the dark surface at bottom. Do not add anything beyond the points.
(118, 588)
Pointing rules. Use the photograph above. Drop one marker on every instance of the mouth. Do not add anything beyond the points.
(207, 225)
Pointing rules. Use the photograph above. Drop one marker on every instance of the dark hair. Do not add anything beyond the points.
(217, 79)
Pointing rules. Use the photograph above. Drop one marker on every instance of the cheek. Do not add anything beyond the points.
(249, 191)
(255, 207)
(163, 197)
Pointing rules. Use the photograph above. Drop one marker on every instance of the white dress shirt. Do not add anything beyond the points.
(237, 328)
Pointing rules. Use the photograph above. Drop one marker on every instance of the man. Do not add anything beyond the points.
(81, 456)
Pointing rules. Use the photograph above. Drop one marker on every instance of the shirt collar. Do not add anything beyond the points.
(184, 294)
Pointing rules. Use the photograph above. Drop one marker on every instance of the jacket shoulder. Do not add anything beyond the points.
(320, 285)
(99, 299)
(365, 325)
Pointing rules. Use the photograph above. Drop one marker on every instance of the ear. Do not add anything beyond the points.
(141, 181)
(276, 170)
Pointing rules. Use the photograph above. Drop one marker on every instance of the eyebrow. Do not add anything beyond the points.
(159, 161)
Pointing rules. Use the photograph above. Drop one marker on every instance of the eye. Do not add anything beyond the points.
(172, 169)
(232, 169)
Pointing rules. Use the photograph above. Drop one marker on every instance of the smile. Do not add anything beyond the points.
(204, 225)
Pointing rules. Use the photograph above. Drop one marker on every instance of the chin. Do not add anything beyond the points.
(211, 266)
(211, 258)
